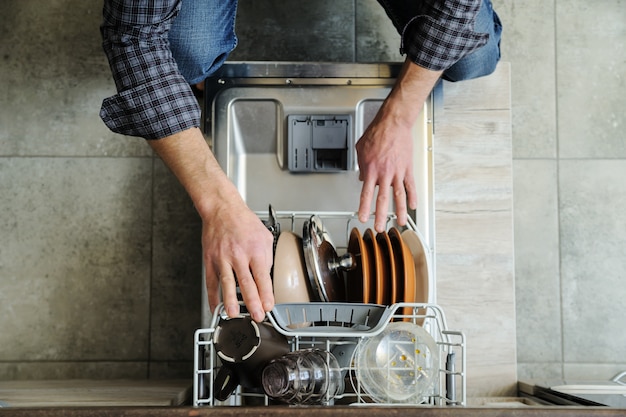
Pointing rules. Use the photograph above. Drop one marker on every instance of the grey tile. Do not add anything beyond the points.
(591, 64)
(75, 258)
(537, 282)
(539, 370)
(316, 30)
(40, 370)
(54, 77)
(528, 43)
(594, 371)
(176, 270)
(172, 370)
(377, 40)
(592, 201)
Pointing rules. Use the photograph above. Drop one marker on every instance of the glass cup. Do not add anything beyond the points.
(310, 376)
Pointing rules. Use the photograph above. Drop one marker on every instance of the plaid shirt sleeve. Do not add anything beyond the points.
(153, 99)
(442, 33)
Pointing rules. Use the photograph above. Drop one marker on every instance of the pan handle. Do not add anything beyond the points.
(226, 381)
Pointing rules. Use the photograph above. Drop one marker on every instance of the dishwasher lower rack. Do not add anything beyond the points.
(332, 326)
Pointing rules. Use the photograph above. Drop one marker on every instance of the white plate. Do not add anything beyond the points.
(290, 277)
(418, 250)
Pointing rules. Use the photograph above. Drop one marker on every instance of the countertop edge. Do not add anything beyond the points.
(336, 411)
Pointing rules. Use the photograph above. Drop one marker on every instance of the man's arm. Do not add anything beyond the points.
(156, 103)
(236, 244)
(385, 151)
(153, 99)
(433, 39)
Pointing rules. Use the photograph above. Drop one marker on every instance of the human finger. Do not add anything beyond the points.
(229, 290)
(411, 191)
(212, 285)
(399, 196)
(250, 294)
(382, 206)
(365, 201)
(261, 275)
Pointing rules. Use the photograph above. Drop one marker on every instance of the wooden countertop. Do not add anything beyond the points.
(91, 393)
(339, 411)
(155, 398)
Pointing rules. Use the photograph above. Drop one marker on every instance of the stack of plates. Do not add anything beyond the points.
(390, 268)
(386, 268)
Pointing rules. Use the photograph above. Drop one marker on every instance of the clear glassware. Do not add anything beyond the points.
(310, 376)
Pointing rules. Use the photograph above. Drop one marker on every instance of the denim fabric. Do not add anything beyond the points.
(202, 36)
(482, 61)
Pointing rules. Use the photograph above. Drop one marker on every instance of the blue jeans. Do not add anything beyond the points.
(203, 35)
(482, 61)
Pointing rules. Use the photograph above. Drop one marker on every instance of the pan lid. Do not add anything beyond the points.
(323, 264)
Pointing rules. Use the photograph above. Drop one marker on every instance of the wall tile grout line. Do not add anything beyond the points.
(151, 267)
(558, 183)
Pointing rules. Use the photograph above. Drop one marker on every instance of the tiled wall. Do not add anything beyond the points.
(100, 256)
(99, 253)
(568, 61)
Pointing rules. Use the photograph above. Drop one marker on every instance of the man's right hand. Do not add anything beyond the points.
(236, 246)
(385, 151)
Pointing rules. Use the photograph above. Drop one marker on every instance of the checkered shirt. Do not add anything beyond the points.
(442, 33)
(155, 101)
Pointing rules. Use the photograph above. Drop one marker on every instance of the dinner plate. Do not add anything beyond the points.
(359, 275)
(405, 272)
(398, 365)
(375, 268)
(416, 245)
(397, 287)
(384, 291)
(289, 277)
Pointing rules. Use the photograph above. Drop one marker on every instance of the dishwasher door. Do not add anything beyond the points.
(594, 393)
(284, 133)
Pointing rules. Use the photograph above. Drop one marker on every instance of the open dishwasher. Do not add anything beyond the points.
(284, 133)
